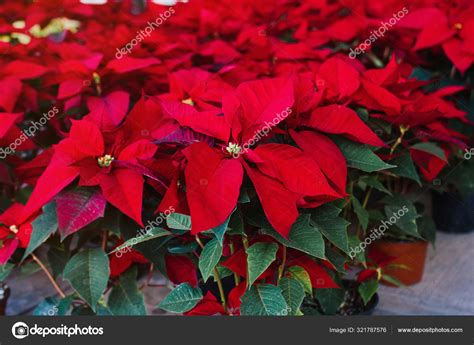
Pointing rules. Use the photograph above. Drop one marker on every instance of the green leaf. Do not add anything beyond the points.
(336, 259)
(259, 258)
(220, 230)
(355, 242)
(178, 221)
(303, 237)
(263, 300)
(236, 224)
(368, 289)
(5, 270)
(182, 248)
(209, 258)
(405, 167)
(243, 196)
(300, 274)
(430, 148)
(392, 280)
(222, 271)
(182, 299)
(57, 258)
(361, 156)
(362, 214)
(43, 227)
(125, 298)
(150, 235)
(330, 299)
(293, 292)
(401, 212)
(325, 219)
(373, 182)
(88, 273)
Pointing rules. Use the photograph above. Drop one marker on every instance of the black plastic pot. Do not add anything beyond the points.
(452, 213)
(4, 294)
(353, 304)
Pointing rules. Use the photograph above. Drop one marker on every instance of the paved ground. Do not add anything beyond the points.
(447, 287)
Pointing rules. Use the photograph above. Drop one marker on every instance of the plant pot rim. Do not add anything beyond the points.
(401, 241)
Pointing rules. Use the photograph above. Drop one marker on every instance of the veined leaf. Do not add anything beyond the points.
(220, 230)
(405, 167)
(88, 273)
(178, 221)
(263, 300)
(300, 274)
(43, 227)
(182, 299)
(209, 258)
(367, 289)
(293, 292)
(361, 156)
(259, 258)
(125, 298)
(152, 234)
(303, 237)
(326, 219)
(362, 214)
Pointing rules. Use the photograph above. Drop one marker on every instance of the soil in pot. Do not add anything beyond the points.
(347, 301)
(452, 213)
(411, 254)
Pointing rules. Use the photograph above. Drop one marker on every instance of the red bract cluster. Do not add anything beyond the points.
(202, 105)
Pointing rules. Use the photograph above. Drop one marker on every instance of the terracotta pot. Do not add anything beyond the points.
(409, 254)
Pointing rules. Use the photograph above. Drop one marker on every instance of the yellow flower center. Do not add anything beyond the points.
(234, 149)
(188, 101)
(105, 161)
(458, 26)
(14, 229)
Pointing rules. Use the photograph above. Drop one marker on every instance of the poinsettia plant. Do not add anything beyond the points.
(227, 146)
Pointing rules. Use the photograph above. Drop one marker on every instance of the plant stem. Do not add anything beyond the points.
(217, 277)
(245, 242)
(367, 197)
(48, 274)
(403, 130)
(281, 269)
(236, 276)
(104, 240)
